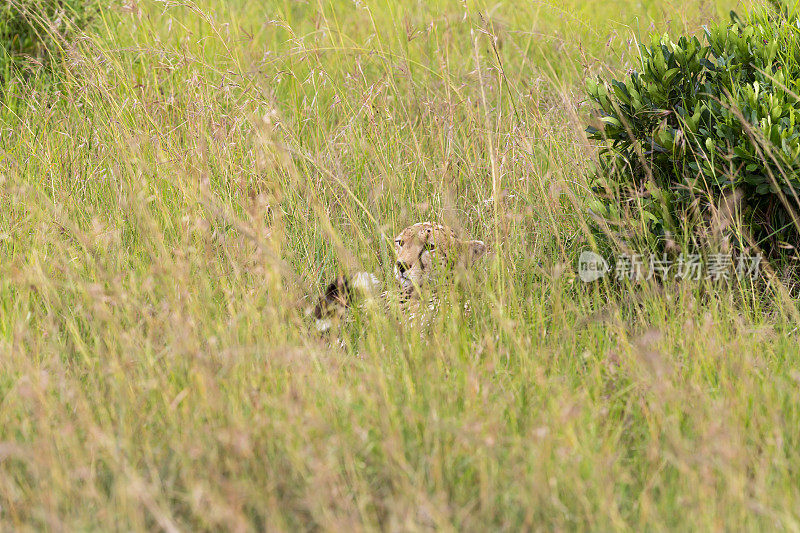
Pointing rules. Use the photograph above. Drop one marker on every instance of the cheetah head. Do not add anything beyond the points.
(426, 250)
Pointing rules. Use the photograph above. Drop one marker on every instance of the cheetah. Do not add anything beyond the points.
(425, 253)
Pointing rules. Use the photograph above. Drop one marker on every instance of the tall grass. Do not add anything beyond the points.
(197, 170)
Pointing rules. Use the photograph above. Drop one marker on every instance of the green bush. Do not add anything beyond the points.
(32, 31)
(701, 120)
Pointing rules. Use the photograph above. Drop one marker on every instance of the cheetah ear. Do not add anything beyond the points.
(476, 250)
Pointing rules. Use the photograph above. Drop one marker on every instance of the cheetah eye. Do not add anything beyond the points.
(399, 242)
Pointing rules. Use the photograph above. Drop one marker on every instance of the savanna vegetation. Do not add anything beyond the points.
(179, 178)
